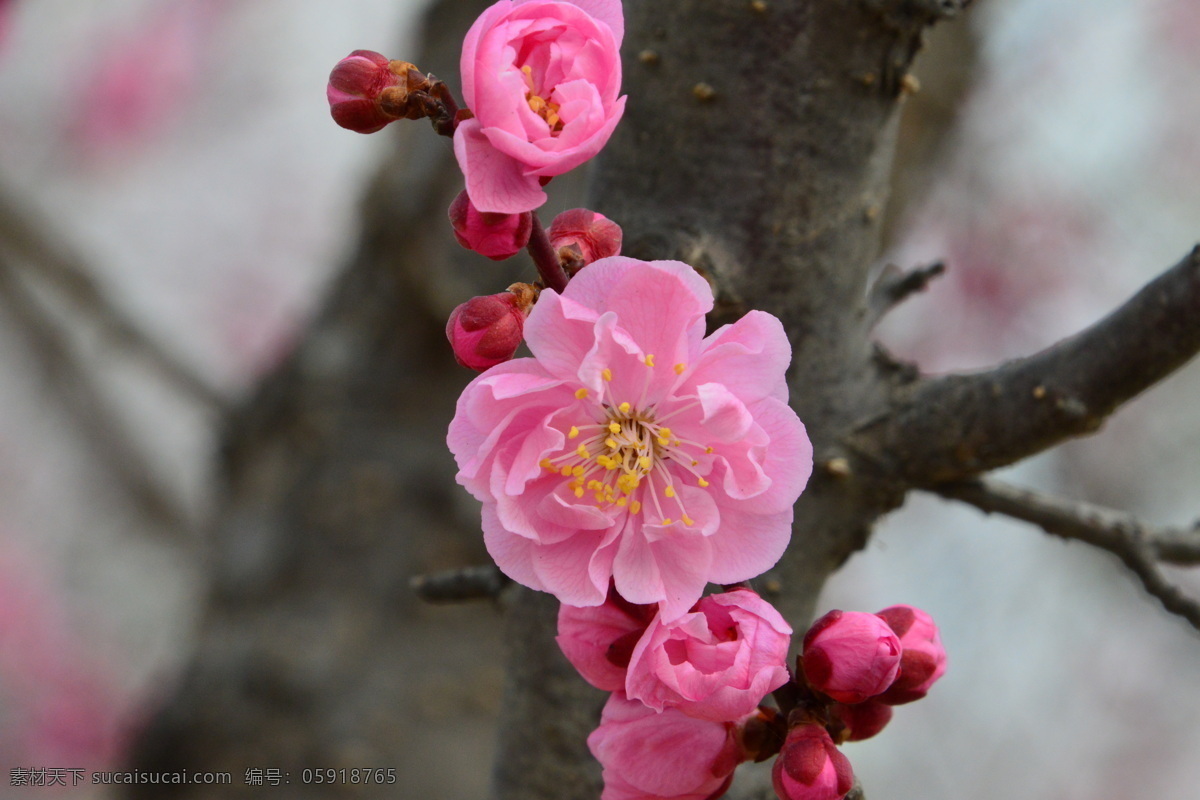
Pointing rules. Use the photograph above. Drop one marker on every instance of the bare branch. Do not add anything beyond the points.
(894, 286)
(483, 582)
(32, 244)
(1135, 543)
(958, 426)
(87, 406)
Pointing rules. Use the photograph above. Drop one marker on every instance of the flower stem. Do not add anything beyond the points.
(544, 257)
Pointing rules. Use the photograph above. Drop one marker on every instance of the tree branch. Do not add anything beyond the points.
(1138, 545)
(958, 426)
(46, 255)
(483, 582)
(894, 286)
(87, 406)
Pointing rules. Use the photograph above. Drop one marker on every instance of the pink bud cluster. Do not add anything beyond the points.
(694, 685)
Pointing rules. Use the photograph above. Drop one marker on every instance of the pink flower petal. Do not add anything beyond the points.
(496, 182)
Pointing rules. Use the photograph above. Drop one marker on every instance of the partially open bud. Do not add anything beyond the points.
(366, 91)
(922, 660)
(486, 331)
(810, 767)
(497, 236)
(581, 236)
(851, 655)
(861, 720)
(599, 640)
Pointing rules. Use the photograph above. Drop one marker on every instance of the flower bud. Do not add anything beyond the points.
(599, 640)
(496, 236)
(851, 655)
(366, 91)
(861, 720)
(810, 767)
(581, 236)
(922, 659)
(486, 331)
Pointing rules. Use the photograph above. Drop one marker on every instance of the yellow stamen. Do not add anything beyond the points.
(614, 427)
(581, 393)
(611, 443)
(635, 507)
(545, 462)
(582, 452)
(679, 368)
(649, 360)
(573, 432)
(565, 471)
(689, 521)
(644, 462)
(621, 501)
(577, 472)
(624, 408)
(669, 491)
(666, 521)
(708, 450)
(703, 482)
(579, 492)
(607, 373)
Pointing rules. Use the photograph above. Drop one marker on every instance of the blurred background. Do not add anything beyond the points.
(176, 208)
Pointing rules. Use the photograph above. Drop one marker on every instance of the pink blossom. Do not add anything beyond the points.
(631, 447)
(651, 755)
(922, 660)
(542, 78)
(810, 767)
(497, 236)
(850, 655)
(715, 663)
(485, 331)
(599, 640)
(591, 235)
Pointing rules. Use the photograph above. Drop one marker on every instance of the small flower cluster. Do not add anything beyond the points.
(685, 707)
(633, 460)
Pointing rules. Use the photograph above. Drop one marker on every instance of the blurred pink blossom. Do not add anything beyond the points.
(631, 447)
(542, 78)
(142, 78)
(715, 663)
(650, 755)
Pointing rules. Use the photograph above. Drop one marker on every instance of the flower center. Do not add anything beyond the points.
(544, 108)
(630, 458)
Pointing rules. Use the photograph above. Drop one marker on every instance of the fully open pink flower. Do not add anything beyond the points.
(630, 446)
(651, 755)
(715, 663)
(542, 78)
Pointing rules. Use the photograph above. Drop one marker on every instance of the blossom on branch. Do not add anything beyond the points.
(717, 662)
(651, 755)
(631, 447)
(922, 658)
(851, 655)
(541, 78)
(497, 236)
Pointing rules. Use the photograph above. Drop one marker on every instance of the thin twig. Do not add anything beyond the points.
(484, 582)
(87, 406)
(893, 286)
(33, 247)
(1139, 546)
(545, 258)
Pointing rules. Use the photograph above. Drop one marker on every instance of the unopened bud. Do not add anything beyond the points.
(366, 91)
(581, 236)
(810, 767)
(861, 720)
(497, 236)
(922, 657)
(486, 331)
(850, 655)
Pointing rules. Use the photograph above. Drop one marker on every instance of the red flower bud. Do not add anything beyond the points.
(851, 655)
(486, 331)
(922, 659)
(810, 767)
(585, 236)
(366, 91)
(496, 236)
(862, 720)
